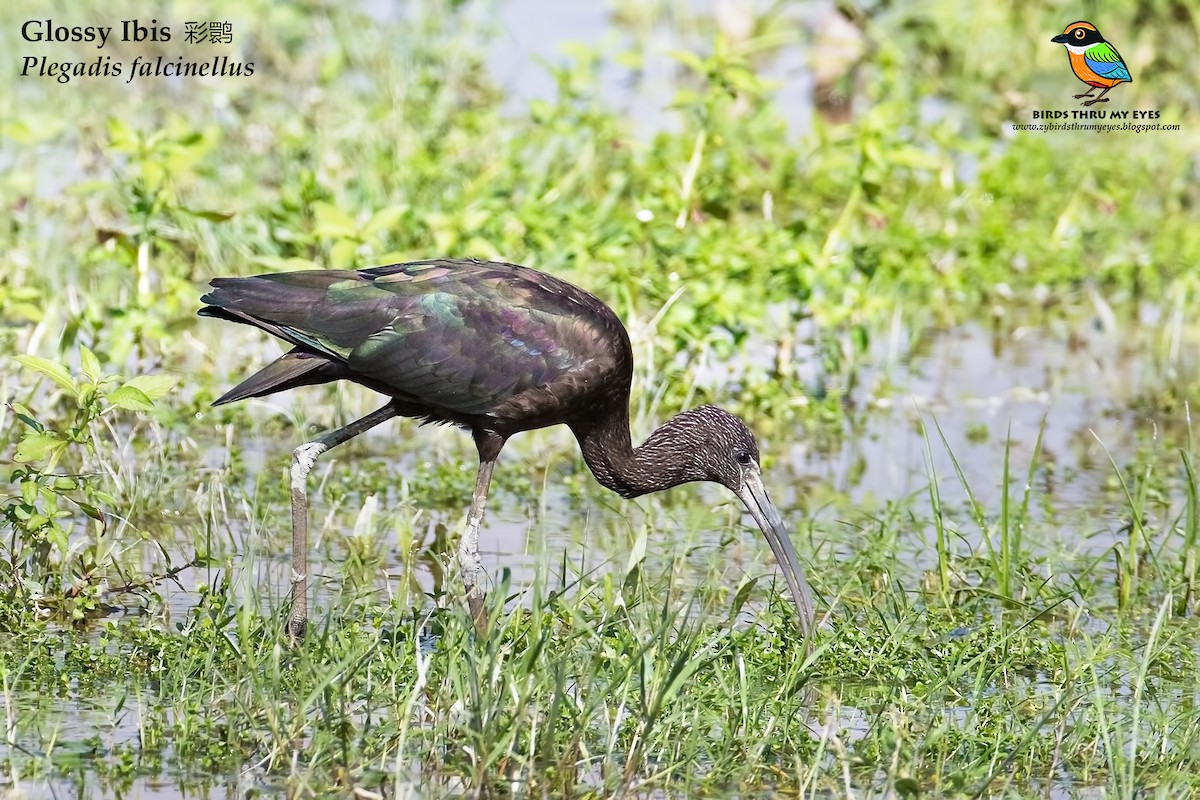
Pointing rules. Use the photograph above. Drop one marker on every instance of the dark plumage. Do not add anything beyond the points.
(496, 349)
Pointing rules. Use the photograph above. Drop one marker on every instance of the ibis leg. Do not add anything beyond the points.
(303, 458)
(469, 563)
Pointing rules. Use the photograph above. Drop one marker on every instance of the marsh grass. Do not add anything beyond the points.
(621, 684)
(1001, 538)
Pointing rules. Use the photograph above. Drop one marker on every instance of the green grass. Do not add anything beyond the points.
(1020, 621)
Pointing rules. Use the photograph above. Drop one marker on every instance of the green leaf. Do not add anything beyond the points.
(212, 215)
(36, 446)
(689, 60)
(131, 398)
(914, 157)
(285, 264)
(121, 136)
(385, 219)
(155, 386)
(91, 511)
(638, 552)
(58, 537)
(742, 595)
(91, 365)
(632, 59)
(333, 222)
(342, 254)
(686, 98)
(22, 413)
(745, 81)
(479, 247)
(29, 312)
(52, 370)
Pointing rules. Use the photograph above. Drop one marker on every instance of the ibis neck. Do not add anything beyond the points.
(659, 463)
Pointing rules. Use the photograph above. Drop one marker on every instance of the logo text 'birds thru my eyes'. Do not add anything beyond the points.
(1093, 60)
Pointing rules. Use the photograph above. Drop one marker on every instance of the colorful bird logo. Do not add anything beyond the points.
(1093, 60)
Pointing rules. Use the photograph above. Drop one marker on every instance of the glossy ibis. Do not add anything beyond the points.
(496, 349)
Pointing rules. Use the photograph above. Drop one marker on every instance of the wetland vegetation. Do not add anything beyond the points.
(967, 352)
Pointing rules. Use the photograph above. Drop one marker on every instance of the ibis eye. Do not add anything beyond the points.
(744, 459)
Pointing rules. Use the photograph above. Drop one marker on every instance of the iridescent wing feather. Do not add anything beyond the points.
(463, 336)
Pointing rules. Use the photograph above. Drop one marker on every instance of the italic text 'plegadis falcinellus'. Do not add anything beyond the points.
(496, 349)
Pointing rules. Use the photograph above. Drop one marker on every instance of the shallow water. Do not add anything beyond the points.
(1074, 384)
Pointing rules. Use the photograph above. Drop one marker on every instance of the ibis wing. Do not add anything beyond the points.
(454, 335)
(462, 354)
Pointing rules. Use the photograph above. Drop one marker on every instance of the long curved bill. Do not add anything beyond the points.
(754, 495)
